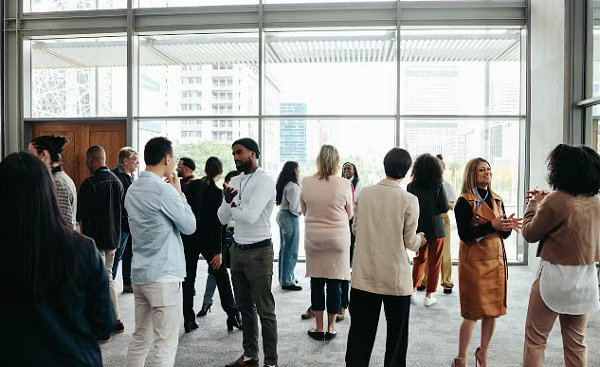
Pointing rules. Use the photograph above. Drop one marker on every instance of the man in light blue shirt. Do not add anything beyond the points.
(158, 212)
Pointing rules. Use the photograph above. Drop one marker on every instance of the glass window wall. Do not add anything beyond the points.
(77, 77)
(447, 89)
(198, 74)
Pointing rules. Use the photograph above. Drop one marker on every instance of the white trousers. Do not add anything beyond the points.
(158, 315)
(108, 256)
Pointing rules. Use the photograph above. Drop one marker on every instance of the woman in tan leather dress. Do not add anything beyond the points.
(482, 272)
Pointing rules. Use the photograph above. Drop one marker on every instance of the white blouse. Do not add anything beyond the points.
(569, 289)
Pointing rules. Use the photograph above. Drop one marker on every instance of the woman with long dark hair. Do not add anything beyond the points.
(205, 198)
(427, 186)
(565, 222)
(288, 199)
(56, 304)
(227, 238)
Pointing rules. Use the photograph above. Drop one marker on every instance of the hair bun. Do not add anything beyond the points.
(58, 143)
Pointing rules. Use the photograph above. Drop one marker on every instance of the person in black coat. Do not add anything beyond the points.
(427, 186)
(55, 304)
(99, 212)
(205, 199)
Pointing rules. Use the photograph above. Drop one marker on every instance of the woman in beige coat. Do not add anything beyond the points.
(385, 225)
(326, 201)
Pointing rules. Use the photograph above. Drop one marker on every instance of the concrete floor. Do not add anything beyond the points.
(433, 331)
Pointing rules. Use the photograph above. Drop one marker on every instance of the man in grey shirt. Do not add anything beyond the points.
(249, 200)
(158, 213)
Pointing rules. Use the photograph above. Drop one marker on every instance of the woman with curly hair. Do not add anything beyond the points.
(565, 222)
(427, 186)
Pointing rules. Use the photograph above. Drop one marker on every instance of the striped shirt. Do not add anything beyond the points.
(66, 195)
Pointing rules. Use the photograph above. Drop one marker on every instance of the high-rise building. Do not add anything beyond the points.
(293, 133)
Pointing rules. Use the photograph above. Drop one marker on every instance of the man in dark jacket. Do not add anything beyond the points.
(185, 169)
(99, 212)
(128, 164)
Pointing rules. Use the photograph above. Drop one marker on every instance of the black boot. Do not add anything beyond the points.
(234, 320)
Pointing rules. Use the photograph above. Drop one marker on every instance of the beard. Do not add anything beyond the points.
(243, 166)
(179, 174)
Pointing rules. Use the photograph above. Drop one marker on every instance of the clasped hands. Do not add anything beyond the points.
(536, 195)
(502, 224)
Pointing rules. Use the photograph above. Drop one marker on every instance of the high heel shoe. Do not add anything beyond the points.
(234, 320)
(481, 355)
(205, 309)
(459, 362)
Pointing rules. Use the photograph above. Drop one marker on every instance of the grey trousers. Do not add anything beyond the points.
(251, 275)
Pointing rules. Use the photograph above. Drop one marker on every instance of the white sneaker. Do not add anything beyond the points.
(413, 299)
(429, 301)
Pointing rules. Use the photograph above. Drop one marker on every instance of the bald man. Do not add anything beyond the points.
(99, 212)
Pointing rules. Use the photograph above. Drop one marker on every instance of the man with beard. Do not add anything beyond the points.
(249, 200)
(185, 169)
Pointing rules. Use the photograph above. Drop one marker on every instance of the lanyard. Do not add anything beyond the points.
(242, 187)
(483, 200)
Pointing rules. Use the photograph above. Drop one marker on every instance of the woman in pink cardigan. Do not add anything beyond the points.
(566, 223)
(326, 201)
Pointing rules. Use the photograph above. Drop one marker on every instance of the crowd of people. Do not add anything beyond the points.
(65, 248)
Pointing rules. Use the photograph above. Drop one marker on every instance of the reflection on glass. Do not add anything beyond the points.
(78, 77)
(320, 1)
(176, 3)
(461, 140)
(332, 72)
(70, 5)
(199, 74)
(199, 139)
(460, 71)
(488, 1)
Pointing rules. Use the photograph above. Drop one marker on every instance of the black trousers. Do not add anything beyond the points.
(364, 313)
(192, 254)
(318, 298)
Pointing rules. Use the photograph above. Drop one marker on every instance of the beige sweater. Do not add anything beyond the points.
(327, 206)
(385, 224)
(567, 227)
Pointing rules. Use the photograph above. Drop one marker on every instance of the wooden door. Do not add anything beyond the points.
(82, 136)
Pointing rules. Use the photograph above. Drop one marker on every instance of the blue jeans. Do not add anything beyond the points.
(119, 253)
(209, 292)
(289, 235)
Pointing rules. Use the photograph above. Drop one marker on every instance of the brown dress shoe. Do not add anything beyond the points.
(241, 363)
(342, 315)
(309, 314)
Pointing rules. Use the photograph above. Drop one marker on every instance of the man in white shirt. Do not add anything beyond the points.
(158, 212)
(249, 200)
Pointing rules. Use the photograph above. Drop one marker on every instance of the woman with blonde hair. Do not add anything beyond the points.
(482, 272)
(326, 202)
